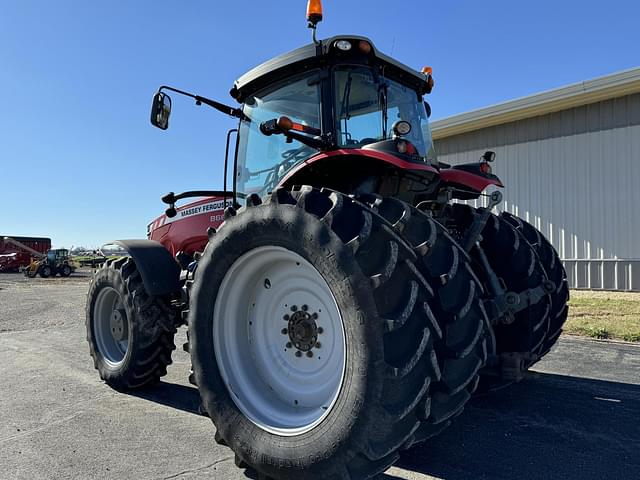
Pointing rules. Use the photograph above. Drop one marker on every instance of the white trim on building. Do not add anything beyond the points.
(583, 93)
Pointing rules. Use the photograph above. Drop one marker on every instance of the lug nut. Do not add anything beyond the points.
(309, 354)
(318, 345)
(284, 331)
(320, 330)
(314, 316)
(286, 318)
(298, 353)
(294, 308)
(305, 308)
(288, 345)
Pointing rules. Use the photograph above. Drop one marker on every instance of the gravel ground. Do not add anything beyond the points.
(575, 417)
(37, 303)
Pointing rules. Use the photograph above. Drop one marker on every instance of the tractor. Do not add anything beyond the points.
(342, 302)
(53, 263)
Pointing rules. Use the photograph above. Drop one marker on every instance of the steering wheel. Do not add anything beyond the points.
(296, 154)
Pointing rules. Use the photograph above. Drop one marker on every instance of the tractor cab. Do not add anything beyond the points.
(340, 94)
(55, 257)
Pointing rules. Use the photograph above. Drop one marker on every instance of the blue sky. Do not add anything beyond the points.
(79, 161)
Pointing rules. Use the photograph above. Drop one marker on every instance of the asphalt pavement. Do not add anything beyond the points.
(577, 416)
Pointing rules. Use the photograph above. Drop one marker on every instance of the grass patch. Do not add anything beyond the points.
(603, 315)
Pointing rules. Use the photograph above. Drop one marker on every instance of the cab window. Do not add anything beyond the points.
(264, 160)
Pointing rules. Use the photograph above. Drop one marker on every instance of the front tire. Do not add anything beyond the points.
(382, 338)
(130, 333)
(45, 271)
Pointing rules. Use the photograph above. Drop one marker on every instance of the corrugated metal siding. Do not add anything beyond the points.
(574, 174)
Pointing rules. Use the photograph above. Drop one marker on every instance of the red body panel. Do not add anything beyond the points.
(13, 257)
(187, 231)
(468, 179)
(385, 157)
(13, 261)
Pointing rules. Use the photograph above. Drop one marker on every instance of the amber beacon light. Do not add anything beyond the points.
(314, 12)
(428, 71)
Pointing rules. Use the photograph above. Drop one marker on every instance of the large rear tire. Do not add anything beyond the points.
(457, 306)
(516, 263)
(130, 332)
(375, 303)
(555, 271)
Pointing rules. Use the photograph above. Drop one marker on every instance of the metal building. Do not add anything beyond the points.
(570, 160)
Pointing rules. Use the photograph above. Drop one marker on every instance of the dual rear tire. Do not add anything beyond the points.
(523, 260)
(321, 343)
(327, 333)
(555, 272)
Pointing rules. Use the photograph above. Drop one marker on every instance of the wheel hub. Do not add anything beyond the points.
(117, 324)
(302, 329)
(276, 305)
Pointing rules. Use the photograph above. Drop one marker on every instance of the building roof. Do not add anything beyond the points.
(582, 93)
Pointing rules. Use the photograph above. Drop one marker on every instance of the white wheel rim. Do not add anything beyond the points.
(111, 334)
(282, 392)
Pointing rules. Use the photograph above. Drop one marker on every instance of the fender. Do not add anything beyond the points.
(360, 170)
(359, 152)
(472, 180)
(160, 272)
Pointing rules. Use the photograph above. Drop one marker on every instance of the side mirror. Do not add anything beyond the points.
(427, 107)
(160, 110)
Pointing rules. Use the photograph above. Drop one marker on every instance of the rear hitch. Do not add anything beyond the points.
(472, 235)
(503, 306)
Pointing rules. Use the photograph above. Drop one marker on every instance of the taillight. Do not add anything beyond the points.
(364, 47)
(406, 147)
(485, 168)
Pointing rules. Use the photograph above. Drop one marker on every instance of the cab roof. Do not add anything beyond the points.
(324, 54)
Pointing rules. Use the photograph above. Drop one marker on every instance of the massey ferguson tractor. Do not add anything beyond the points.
(341, 307)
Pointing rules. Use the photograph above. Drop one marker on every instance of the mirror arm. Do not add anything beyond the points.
(221, 107)
(313, 142)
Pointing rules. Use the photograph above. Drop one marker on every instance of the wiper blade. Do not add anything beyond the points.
(384, 104)
(345, 102)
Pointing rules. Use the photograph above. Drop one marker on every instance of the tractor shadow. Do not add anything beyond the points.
(174, 395)
(546, 427)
